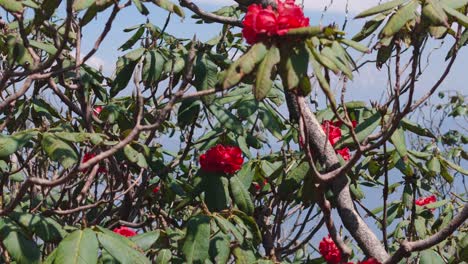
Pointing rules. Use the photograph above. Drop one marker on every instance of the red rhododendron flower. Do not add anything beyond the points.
(290, 15)
(329, 251)
(222, 159)
(88, 156)
(260, 23)
(124, 231)
(344, 152)
(256, 186)
(156, 189)
(332, 131)
(97, 110)
(369, 261)
(422, 201)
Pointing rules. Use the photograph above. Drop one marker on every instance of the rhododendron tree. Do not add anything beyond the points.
(275, 134)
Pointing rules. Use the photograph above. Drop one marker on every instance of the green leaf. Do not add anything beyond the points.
(271, 121)
(164, 256)
(250, 223)
(384, 53)
(135, 156)
(12, 5)
(197, 243)
(146, 240)
(169, 6)
(124, 70)
(430, 257)
(120, 248)
(453, 166)
(47, 47)
(436, 204)
(355, 45)
(362, 130)
(44, 227)
(434, 12)
(380, 8)
(226, 118)
(79, 5)
(79, 247)
(244, 65)
(242, 142)
(243, 256)
(20, 248)
(304, 31)
(141, 7)
(293, 180)
(220, 248)
(434, 166)
(206, 73)
(416, 128)
(216, 192)
(9, 144)
(228, 228)
(247, 108)
(188, 113)
(461, 18)
(455, 4)
(59, 150)
(324, 61)
(153, 67)
(369, 27)
(323, 82)
(263, 82)
(332, 55)
(294, 65)
(131, 41)
(399, 19)
(17, 52)
(407, 196)
(241, 195)
(398, 139)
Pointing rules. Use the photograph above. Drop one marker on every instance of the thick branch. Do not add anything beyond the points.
(407, 247)
(325, 153)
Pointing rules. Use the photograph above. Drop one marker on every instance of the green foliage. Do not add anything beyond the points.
(170, 99)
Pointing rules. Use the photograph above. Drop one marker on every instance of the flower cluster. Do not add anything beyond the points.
(258, 186)
(124, 231)
(422, 201)
(97, 110)
(333, 132)
(260, 23)
(88, 156)
(222, 159)
(156, 189)
(332, 255)
(329, 251)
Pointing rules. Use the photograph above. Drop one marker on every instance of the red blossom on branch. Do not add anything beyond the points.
(333, 132)
(88, 156)
(222, 159)
(369, 261)
(97, 110)
(261, 23)
(156, 189)
(344, 152)
(422, 201)
(329, 251)
(124, 231)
